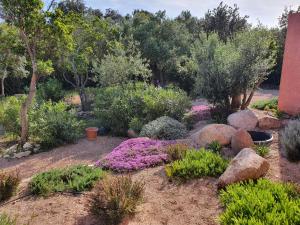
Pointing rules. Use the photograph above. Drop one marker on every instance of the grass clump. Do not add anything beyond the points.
(197, 164)
(262, 150)
(177, 151)
(76, 178)
(8, 184)
(215, 146)
(6, 220)
(260, 203)
(115, 198)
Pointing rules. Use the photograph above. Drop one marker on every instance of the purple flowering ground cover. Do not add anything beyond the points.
(135, 154)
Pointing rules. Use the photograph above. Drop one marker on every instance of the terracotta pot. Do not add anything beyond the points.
(91, 133)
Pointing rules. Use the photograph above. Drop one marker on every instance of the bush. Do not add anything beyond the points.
(52, 125)
(116, 197)
(269, 104)
(8, 185)
(6, 220)
(164, 128)
(262, 150)
(215, 146)
(52, 90)
(197, 164)
(76, 178)
(10, 114)
(291, 140)
(262, 203)
(177, 151)
(116, 107)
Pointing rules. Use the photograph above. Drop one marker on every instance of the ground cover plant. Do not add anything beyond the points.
(268, 105)
(115, 198)
(135, 154)
(9, 182)
(164, 128)
(291, 140)
(262, 150)
(263, 202)
(75, 179)
(196, 164)
(6, 220)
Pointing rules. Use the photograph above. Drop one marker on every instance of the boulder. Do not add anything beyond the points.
(214, 132)
(240, 140)
(22, 154)
(246, 165)
(269, 122)
(27, 146)
(245, 119)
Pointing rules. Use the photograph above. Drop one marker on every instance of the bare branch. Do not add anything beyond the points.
(70, 82)
(50, 5)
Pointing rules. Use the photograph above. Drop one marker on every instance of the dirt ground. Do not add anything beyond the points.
(165, 203)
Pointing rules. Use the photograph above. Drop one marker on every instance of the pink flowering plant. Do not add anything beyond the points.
(197, 113)
(135, 154)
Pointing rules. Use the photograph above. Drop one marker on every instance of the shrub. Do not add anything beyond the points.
(76, 178)
(164, 128)
(291, 140)
(215, 146)
(116, 107)
(52, 90)
(262, 150)
(264, 203)
(8, 184)
(136, 124)
(6, 220)
(135, 154)
(268, 104)
(116, 197)
(177, 151)
(197, 164)
(52, 125)
(10, 114)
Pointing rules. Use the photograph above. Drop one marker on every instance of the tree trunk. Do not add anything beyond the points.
(26, 105)
(85, 106)
(235, 102)
(247, 103)
(2, 86)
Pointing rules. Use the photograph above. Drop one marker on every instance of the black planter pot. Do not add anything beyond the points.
(261, 137)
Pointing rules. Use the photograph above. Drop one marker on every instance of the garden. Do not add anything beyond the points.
(143, 119)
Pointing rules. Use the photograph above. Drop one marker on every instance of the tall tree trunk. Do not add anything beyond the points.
(2, 86)
(27, 103)
(84, 101)
(235, 102)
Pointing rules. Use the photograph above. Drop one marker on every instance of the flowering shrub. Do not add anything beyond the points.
(136, 153)
(197, 113)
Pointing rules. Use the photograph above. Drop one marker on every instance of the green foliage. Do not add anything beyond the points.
(215, 146)
(262, 150)
(177, 151)
(197, 164)
(9, 114)
(268, 104)
(164, 128)
(6, 220)
(76, 178)
(115, 107)
(260, 203)
(52, 125)
(116, 197)
(8, 184)
(291, 140)
(136, 124)
(52, 90)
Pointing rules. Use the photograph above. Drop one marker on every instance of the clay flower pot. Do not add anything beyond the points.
(91, 133)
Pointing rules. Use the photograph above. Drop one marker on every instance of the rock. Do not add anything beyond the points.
(246, 165)
(12, 149)
(240, 140)
(214, 132)
(245, 119)
(27, 146)
(269, 122)
(22, 154)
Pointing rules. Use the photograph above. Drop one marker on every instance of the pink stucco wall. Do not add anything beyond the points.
(289, 93)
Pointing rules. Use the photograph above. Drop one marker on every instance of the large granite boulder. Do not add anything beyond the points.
(269, 122)
(240, 140)
(246, 165)
(245, 119)
(214, 132)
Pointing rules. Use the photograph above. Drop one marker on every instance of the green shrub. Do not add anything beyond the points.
(76, 178)
(262, 150)
(136, 124)
(52, 125)
(215, 146)
(8, 184)
(10, 114)
(261, 203)
(116, 197)
(291, 140)
(164, 128)
(177, 151)
(116, 107)
(268, 104)
(197, 164)
(52, 90)
(6, 220)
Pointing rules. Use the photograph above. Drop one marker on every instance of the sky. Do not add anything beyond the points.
(265, 11)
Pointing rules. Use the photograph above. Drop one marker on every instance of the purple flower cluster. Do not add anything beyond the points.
(135, 154)
(201, 112)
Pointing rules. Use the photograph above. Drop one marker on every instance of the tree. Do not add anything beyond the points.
(11, 63)
(31, 20)
(225, 21)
